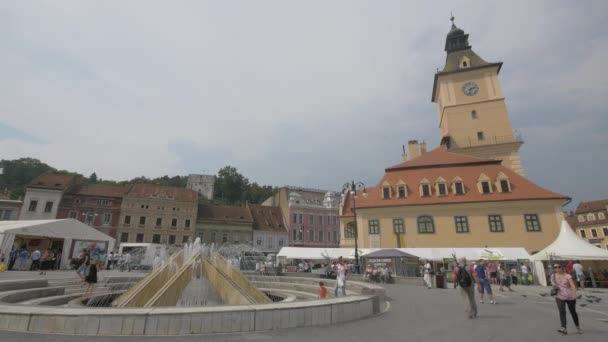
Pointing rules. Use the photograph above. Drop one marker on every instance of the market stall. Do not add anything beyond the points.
(399, 263)
(67, 235)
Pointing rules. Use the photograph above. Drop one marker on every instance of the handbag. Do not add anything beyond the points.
(554, 292)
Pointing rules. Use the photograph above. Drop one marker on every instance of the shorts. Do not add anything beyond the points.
(484, 286)
(492, 274)
(580, 277)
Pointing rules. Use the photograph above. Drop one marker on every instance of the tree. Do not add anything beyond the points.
(93, 178)
(257, 194)
(18, 173)
(230, 185)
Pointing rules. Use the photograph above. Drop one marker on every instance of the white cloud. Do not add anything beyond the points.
(138, 84)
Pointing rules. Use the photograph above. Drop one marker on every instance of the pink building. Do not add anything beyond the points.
(311, 216)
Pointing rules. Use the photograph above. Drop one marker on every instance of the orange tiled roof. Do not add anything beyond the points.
(267, 218)
(54, 181)
(145, 190)
(224, 213)
(591, 206)
(102, 190)
(447, 165)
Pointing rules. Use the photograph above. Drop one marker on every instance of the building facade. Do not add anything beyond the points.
(224, 225)
(97, 205)
(43, 195)
(9, 209)
(157, 214)
(202, 184)
(445, 199)
(269, 229)
(590, 221)
(473, 117)
(311, 215)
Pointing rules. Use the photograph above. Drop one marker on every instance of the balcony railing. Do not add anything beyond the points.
(493, 140)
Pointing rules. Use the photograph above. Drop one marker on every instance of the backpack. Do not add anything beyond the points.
(463, 278)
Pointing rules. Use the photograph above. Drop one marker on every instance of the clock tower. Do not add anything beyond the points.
(473, 117)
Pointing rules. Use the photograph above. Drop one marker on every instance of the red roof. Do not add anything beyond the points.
(267, 218)
(441, 164)
(592, 206)
(224, 213)
(54, 181)
(102, 190)
(440, 157)
(145, 190)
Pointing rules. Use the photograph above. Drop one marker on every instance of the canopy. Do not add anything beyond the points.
(61, 229)
(431, 254)
(471, 253)
(67, 229)
(569, 245)
(389, 253)
(307, 253)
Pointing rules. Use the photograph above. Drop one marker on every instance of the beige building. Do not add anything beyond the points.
(158, 214)
(590, 221)
(473, 117)
(445, 199)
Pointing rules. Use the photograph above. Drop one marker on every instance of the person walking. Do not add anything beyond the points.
(35, 256)
(426, 269)
(110, 258)
(566, 295)
(91, 278)
(12, 258)
(484, 283)
(23, 259)
(524, 274)
(504, 278)
(580, 276)
(465, 280)
(341, 277)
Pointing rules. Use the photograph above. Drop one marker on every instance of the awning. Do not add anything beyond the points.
(569, 246)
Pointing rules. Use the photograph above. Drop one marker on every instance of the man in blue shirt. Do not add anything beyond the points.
(12, 258)
(484, 284)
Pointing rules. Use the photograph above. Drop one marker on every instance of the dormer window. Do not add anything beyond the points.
(442, 189)
(425, 188)
(502, 183)
(458, 186)
(484, 184)
(485, 187)
(590, 217)
(401, 191)
(465, 62)
(386, 190)
(601, 216)
(581, 218)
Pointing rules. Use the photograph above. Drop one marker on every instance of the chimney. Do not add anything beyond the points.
(423, 148)
(414, 149)
(403, 155)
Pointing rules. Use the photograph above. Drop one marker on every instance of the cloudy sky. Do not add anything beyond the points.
(310, 93)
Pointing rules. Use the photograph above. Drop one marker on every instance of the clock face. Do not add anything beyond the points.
(470, 88)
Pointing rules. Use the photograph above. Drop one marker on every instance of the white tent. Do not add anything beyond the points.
(67, 229)
(432, 254)
(568, 245)
(307, 253)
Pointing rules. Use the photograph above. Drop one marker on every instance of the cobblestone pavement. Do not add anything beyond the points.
(418, 314)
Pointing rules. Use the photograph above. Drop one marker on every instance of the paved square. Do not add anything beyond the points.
(417, 314)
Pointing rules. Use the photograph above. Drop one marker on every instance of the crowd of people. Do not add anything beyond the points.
(380, 274)
(482, 275)
(21, 259)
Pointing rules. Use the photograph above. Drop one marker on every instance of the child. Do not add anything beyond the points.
(322, 290)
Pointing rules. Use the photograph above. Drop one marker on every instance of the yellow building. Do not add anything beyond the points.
(473, 117)
(470, 192)
(590, 221)
(445, 199)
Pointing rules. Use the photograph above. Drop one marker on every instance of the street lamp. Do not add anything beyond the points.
(352, 188)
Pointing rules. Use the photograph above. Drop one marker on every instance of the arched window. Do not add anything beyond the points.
(426, 224)
(349, 230)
